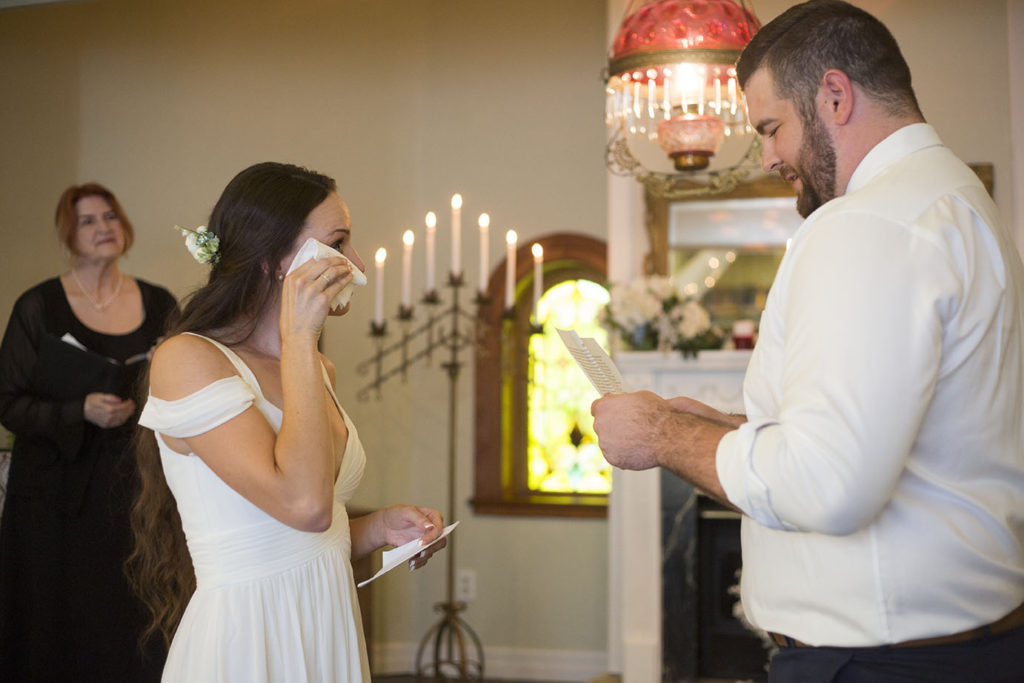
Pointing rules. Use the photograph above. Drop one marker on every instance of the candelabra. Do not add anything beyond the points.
(450, 650)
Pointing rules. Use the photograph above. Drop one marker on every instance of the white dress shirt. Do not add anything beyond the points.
(882, 467)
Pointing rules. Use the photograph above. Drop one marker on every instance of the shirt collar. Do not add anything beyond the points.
(903, 142)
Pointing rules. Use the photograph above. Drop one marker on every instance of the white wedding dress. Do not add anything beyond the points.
(272, 603)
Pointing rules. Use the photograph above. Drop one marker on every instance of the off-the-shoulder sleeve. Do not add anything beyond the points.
(210, 407)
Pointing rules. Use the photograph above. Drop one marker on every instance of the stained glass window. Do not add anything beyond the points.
(562, 451)
(535, 450)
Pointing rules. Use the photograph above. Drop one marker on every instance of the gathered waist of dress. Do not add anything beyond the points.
(263, 549)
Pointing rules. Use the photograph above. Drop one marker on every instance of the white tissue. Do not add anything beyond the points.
(316, 250)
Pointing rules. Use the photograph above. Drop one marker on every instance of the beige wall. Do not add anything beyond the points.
(404, 102)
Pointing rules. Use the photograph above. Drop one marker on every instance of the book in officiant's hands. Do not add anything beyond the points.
(65, 369)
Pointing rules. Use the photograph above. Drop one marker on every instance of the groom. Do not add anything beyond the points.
(880, 466)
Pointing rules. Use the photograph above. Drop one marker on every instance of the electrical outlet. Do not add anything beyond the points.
(465, 585)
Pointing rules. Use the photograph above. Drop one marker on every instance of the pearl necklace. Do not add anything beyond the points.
(99, 306)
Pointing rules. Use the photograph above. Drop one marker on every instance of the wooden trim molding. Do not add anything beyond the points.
(501, 367)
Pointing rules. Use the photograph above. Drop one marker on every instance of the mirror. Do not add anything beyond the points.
(724, 251)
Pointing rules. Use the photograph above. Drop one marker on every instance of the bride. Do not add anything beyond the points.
(249, 457)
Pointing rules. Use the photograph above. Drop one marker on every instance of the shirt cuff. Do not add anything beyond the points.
(734, 462)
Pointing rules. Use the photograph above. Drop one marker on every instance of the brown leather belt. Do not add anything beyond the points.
(1010, 621)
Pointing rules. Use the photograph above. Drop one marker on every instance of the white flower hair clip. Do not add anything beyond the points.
(202, 244)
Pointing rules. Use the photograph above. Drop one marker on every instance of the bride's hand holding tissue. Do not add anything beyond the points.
(314, 250)
(307, 294)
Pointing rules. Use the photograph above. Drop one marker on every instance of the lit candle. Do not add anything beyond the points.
(665, 89)
(431, 226)
(510, 269)
(702, 82)
(456, 235)
(652, 93)
(378, 306)
(538, 278)
(407, 239)
(485, 224)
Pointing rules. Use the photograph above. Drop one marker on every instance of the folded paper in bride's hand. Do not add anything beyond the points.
(392, 558)
(594, 363)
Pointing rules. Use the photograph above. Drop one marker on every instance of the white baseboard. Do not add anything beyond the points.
(503, 662)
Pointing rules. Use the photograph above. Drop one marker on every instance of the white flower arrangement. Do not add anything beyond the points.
(652, 313)
(202, 244)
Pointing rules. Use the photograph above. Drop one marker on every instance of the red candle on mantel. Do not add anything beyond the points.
(743, 334)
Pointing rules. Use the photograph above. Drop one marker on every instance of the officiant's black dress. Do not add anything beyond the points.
(66, 610)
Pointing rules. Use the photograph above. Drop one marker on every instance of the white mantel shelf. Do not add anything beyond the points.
(713, 377)
(674, 360)
(634, 572)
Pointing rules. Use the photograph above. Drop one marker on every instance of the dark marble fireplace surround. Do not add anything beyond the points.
(700, 558)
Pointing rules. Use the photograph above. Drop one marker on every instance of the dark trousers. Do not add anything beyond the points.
(990, 659)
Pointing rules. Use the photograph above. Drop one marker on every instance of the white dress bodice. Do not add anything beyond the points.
(272, 603)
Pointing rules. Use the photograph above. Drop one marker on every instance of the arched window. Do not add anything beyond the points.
(562, 455)
(535, 449)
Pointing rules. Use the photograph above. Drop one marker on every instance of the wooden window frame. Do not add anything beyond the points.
(501, 367)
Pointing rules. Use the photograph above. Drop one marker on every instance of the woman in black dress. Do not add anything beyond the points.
(73, 348)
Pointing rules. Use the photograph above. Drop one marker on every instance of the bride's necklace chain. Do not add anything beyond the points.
(99, 305)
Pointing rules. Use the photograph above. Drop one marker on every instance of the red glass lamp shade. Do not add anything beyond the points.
(691, 140)
(671, 70)
(670, 31)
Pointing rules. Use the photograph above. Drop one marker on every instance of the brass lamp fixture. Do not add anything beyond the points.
(677, 118)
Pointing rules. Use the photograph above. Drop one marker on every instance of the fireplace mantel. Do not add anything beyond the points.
(635, 556)
(713, 377)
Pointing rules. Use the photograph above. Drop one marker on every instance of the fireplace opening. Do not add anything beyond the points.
(726, 648)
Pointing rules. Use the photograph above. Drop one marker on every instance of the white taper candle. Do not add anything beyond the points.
(538, 278)
(408, 237)
(510, 268)
(378, 304)
(431, 221)
(456, 235)
(485, 230)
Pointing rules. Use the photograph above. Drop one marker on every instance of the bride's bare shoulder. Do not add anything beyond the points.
(185, 363)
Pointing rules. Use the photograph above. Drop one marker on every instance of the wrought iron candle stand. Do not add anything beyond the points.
(453, 645)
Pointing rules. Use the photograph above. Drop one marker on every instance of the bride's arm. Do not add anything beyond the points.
(270, 470)
(289, 475)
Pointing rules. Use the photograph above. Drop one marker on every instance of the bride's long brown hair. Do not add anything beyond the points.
(257, 220)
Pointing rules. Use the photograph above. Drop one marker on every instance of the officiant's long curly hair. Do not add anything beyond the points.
(257, 220)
